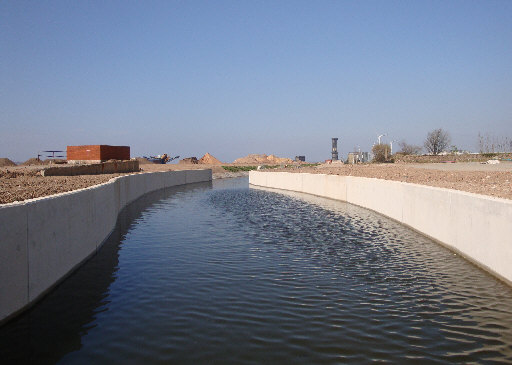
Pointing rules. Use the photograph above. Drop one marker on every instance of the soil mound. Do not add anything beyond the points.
(142, 160)
(209, 159)
(4, 162)
(54, 161)
(262, 159)
(32, 161)
(189, 160)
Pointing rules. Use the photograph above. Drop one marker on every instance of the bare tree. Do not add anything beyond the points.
(480, 143)
(409, 149)
(494, 144)
(437, 141)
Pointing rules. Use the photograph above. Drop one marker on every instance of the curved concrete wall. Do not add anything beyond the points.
(477, 226)
(43, 240)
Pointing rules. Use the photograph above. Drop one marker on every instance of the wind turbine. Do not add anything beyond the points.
(391, 145)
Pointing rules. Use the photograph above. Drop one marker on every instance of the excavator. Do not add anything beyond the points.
(161, 159)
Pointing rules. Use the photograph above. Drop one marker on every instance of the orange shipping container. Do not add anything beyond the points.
(98, 153)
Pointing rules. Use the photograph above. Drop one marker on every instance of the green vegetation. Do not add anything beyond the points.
(489, 155)
(310, 164)
(239, 168)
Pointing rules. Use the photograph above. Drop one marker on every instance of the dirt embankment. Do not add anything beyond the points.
(5, 162)
(465, 157)
(262, 159)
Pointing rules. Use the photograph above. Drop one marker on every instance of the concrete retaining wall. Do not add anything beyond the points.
(476, 226)
(92, 169)
(43, 240)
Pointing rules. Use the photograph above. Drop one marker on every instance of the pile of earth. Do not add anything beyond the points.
(209, 160)
(5, 162)
(33, 161)
(262, 159)
(142, 160)
(189, 160)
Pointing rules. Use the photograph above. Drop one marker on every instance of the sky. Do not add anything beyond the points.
(238, 77)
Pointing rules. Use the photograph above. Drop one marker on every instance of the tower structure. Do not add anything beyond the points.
(335, 149)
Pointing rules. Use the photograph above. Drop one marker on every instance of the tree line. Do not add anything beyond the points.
(438, 141)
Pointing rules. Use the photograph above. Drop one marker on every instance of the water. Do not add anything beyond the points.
(226, 274)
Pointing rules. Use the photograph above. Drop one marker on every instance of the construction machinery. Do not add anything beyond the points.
(161, 159)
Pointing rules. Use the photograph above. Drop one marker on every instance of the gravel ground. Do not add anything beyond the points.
(21, 183)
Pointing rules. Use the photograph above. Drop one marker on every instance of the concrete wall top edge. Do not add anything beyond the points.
(434, 188)
(54, 196)
(77, 191)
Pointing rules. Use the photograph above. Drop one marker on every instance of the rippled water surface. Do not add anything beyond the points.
(226, 274)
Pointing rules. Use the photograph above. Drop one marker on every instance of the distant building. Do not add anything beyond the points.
(334, 149)
(357, 157)
(300, 158)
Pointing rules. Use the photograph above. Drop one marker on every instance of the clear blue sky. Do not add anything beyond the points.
(239, 77)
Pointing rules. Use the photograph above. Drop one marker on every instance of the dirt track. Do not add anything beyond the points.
(21, 183)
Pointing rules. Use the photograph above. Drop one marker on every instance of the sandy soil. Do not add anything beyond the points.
(21, 183)
(493, 180)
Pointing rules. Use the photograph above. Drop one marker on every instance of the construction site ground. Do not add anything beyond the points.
(19, 183)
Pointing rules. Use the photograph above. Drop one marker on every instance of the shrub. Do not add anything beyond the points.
(381, 153)
(239, 168)
(409, 149)
(489, 155)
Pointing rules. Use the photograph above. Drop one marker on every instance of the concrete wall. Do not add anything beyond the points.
(476, 226)
(43, 240)
(92, 169)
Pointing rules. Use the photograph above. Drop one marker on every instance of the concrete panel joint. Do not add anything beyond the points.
(45, 239)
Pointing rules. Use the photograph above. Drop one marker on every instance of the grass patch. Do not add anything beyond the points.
(239, 168)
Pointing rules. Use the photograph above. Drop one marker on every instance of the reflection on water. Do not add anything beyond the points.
(229, 274)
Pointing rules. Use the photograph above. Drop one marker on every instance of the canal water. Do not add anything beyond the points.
(223, 273)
